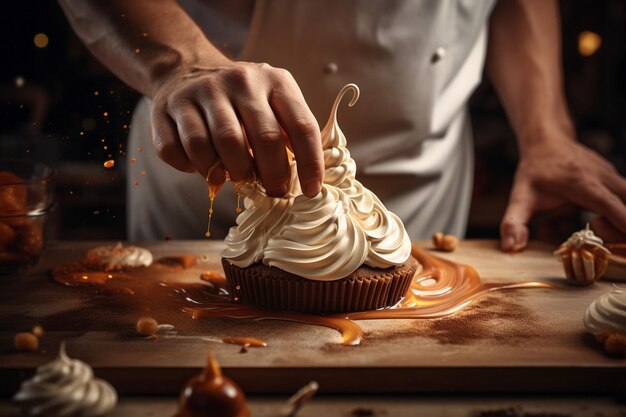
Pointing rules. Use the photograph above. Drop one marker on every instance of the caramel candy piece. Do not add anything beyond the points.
(211, 394)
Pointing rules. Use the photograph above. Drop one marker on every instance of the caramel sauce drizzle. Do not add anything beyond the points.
(213, 190)
(440, 289)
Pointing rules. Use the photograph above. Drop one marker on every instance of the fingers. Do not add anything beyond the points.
(303, 132)
(616, 183)
(200, 121)
(194, 138)
(513, 227)
(606, 231)
(268, 144)
(598, 198)
(227, 137)
(166, 142)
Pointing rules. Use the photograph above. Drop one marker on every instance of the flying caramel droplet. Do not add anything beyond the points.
(109, 164)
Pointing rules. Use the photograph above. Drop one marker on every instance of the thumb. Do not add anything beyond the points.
(513, 227)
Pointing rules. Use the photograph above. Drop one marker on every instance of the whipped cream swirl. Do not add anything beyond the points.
(322, 238)
(583, 238)
(607, 314)
(65, 387)
(118, 257)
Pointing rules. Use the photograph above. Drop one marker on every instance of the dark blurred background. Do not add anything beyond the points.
(59, 105)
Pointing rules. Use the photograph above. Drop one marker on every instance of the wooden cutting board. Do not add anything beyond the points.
(529, 340)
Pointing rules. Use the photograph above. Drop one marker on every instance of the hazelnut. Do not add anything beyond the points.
(615, 344)
(437, 238)
(26, 341)
(147, 326)
(446, 243)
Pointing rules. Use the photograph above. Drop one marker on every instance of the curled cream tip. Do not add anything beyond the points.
(355, 97)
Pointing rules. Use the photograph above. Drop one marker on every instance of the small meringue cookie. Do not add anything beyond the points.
(118, 257)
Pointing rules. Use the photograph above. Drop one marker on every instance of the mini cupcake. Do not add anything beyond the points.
(340, 251)
(584, 257)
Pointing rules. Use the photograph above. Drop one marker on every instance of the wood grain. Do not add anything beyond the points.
(517, 341)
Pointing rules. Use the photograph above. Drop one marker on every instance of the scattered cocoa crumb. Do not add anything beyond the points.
(244, 349)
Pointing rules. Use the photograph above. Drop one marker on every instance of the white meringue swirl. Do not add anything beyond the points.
(583, 238)
(118, 257)
(65, 387)
(607, 314)
(322, 238)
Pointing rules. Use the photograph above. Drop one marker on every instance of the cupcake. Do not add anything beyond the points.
(340, 251)
(584, 257)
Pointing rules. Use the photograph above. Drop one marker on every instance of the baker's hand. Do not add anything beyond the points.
(202, 115)
(559, 171)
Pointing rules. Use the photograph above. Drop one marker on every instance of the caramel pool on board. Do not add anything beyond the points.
(442, 288)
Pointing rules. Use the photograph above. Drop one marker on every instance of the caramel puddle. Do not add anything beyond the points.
(442, 288)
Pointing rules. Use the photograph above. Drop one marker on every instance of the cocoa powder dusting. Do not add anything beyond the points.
(501, 318)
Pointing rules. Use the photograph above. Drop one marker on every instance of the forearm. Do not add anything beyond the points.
(141, 41)
(524, 65)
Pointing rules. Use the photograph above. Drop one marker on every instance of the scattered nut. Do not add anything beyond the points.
(26, 341)
(38, 331)
(147, 326)
(437, 238)
(615, 344)
(446, 243)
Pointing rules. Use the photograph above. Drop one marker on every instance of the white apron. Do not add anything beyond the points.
(416, 62)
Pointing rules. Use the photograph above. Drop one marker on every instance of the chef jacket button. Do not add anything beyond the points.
(331, 68)
(438, 55)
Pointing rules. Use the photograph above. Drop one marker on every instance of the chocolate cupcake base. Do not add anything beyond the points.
(365, 289)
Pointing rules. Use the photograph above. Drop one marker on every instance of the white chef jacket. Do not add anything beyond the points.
(417, 63)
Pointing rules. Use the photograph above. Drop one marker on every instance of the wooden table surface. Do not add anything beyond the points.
(529, 340)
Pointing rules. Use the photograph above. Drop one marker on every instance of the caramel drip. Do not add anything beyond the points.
(238, 208)
(213, 190)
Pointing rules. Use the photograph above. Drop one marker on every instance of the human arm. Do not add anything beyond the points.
(201, 98)
(523, 63)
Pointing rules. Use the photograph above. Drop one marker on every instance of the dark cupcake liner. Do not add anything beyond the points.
(365, 289)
